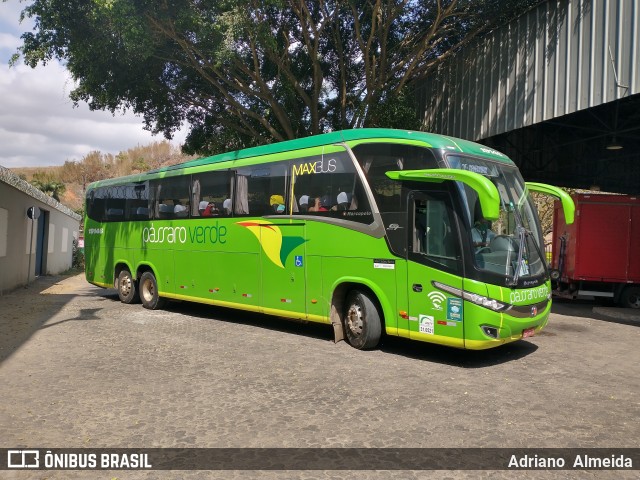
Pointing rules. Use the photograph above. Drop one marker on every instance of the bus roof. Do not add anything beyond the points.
(454, 145)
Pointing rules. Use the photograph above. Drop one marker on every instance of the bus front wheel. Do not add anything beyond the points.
(149, 292)
(126, 287)
(362, 323)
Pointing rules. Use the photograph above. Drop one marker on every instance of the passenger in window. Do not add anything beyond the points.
(178, 208)
(321, 204)
(202, 207)
(211, 210)
(344, 201)
(226, 207)
(165, 211)
(277, 203)
(304, 203)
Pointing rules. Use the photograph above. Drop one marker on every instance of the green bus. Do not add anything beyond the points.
(373, 231)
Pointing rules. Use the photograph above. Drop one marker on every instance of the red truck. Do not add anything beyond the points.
(599, 254)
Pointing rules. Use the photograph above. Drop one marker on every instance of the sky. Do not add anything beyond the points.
(39, 125)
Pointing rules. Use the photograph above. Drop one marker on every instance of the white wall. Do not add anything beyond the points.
(16, 241)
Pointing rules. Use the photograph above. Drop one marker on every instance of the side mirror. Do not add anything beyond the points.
(487, 191)
(568, 207)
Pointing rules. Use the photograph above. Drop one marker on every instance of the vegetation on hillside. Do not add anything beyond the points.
(68, 183)
(49, 184)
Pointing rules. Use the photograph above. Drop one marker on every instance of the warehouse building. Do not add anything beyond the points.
(556, 89)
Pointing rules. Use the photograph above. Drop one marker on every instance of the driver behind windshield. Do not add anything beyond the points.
(481, 233)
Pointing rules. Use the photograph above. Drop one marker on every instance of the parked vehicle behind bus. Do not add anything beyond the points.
(597, 255)
(370, 230)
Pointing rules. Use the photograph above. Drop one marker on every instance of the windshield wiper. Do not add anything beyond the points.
(522, 238)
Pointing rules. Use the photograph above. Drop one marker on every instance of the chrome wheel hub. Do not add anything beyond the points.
(354, 319)
(147, 290)
(125, 286)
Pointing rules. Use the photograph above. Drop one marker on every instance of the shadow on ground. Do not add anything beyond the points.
(389, 345)
(26, 309)
(593, 310)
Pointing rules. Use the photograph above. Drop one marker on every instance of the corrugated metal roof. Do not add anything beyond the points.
(558, 58)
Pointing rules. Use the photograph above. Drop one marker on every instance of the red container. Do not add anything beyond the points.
(603, 243)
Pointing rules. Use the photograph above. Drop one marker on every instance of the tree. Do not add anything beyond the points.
(48, 184)
(255, 71)
(93, 167)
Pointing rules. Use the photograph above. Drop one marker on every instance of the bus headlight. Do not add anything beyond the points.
(486, 302)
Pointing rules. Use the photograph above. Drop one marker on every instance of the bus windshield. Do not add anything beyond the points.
(511, 245)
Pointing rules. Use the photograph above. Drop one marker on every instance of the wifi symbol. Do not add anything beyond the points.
(436, 299)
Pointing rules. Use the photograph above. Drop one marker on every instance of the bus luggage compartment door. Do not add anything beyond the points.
(283, 268)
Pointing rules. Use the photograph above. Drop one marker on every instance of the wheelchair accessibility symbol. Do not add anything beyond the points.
(298, 260)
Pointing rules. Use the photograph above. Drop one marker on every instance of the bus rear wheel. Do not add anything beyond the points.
(149, 292)
(126, 287)
(631, 297)
(362, 323)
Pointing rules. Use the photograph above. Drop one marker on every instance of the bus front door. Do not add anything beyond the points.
(434, 258)
(283, 267)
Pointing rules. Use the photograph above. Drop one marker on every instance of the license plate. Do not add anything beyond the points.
(528, 332)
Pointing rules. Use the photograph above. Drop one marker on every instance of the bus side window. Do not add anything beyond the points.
(258, 186)
(433, 235)
(378, 158)
(170, 197)
(420, 228)
(96, 204)
(439, 239)
(116, 203)
(328, 185)
(210, 189)
(136, 196)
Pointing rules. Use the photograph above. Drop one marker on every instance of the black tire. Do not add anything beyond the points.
(630, 297)
(149, 292)
(127, 288)
(362, 324)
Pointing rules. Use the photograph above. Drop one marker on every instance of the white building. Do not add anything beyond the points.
(29, 248)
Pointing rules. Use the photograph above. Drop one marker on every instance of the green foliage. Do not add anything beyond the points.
(46, 183)
(255, 71)
(92, 167)
(140, 165)
(77, 259)
(395, 111)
